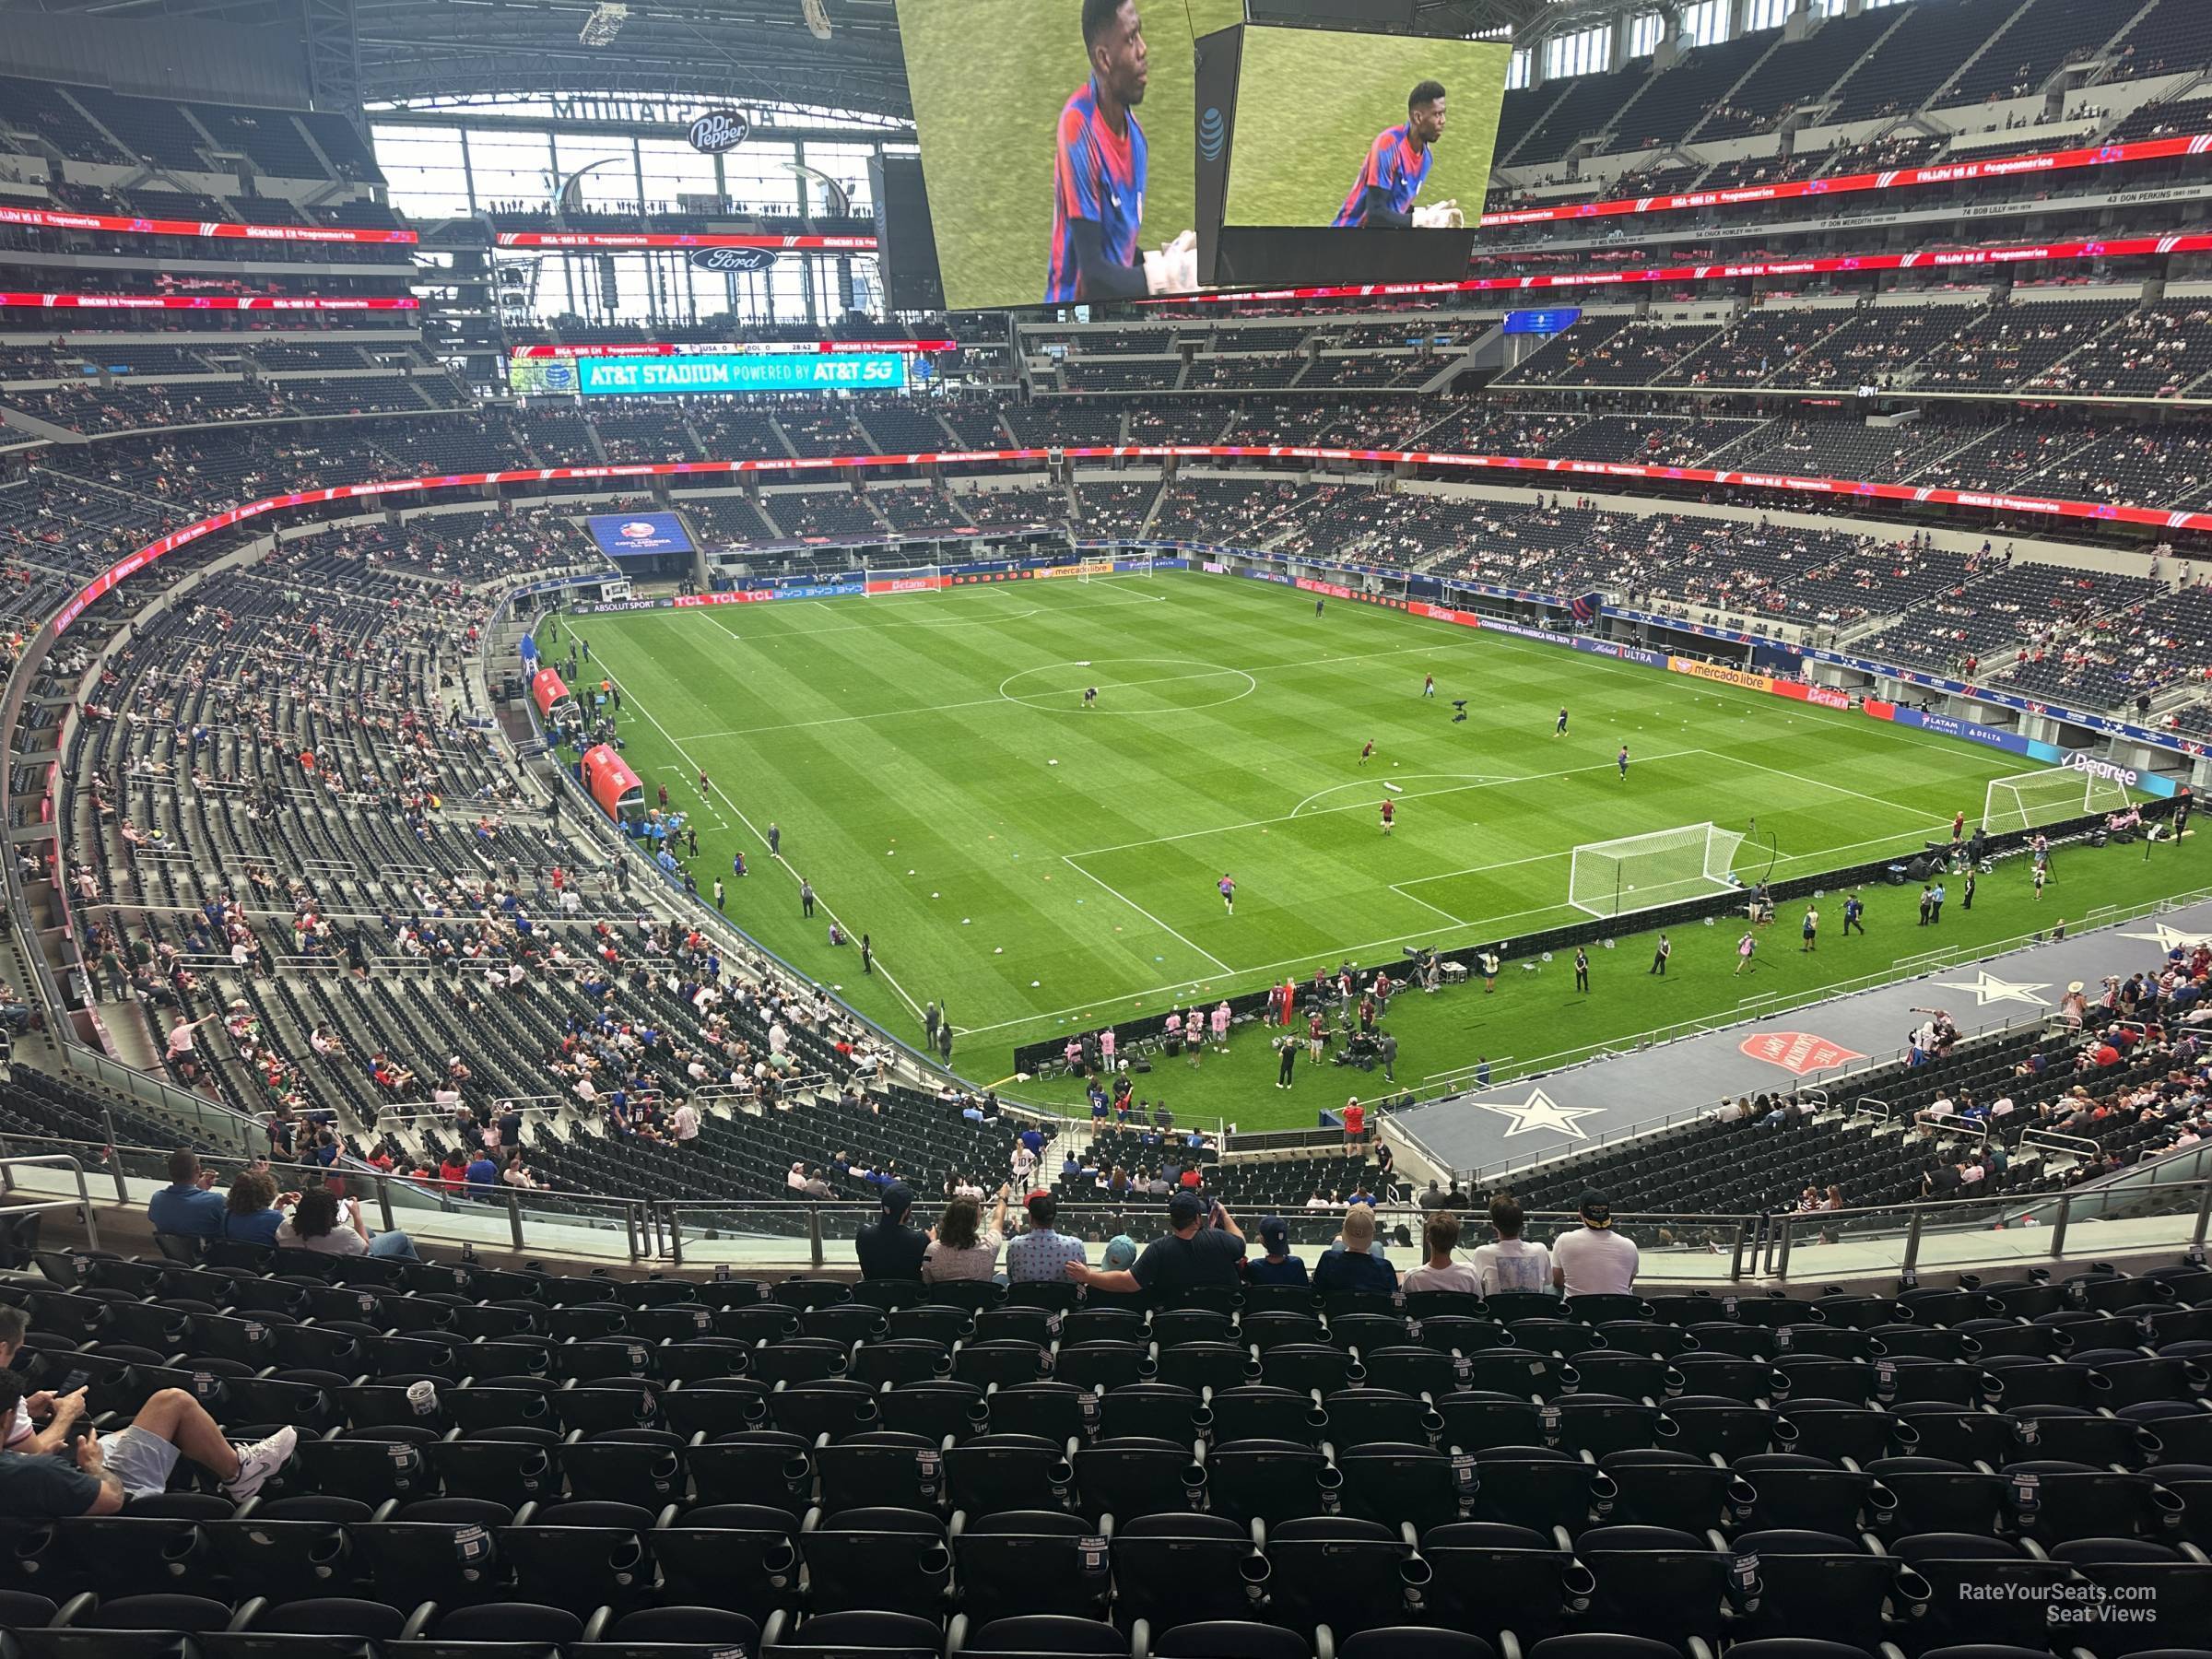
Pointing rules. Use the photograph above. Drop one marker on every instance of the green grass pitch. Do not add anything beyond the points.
(1039, 869)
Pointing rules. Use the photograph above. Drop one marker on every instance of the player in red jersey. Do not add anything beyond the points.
(1390, 815)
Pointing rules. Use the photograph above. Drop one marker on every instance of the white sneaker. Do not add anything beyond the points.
(257, 1462)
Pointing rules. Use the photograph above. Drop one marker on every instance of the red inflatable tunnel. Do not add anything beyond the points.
(609, 781)
(555, 705)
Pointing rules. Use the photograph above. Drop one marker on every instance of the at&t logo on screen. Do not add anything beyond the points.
(848, 371)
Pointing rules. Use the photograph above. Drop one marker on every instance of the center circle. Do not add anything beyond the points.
(1128, 686)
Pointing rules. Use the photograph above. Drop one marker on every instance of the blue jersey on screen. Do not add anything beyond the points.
(1099, 177)
(1392, 166)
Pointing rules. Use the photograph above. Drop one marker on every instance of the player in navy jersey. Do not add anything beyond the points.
(1397, 166)
(1101, 172)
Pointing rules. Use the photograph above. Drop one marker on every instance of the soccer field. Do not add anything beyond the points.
(1038, 868)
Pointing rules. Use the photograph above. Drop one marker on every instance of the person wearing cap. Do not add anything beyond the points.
(1357, 1267)
(1278, 1266)
(1594, 1260)
(890, 1249)
(1203, 1245)
(1041, 1252)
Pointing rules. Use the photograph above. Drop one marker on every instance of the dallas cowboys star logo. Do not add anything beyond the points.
(1541, 1112)
(1987, 988)
(2167, 938)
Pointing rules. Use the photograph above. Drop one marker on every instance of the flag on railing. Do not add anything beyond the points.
(1586, 606)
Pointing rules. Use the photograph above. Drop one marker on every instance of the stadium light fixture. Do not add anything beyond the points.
(817, 18)
(604, 24)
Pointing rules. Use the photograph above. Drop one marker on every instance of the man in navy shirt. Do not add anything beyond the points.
(186, 1204)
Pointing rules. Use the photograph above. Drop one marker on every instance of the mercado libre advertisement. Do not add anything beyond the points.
(1058, 146)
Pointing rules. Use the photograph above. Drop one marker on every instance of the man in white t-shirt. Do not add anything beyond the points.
(1594, 1260)
(684, 1122)
(1512, 1262)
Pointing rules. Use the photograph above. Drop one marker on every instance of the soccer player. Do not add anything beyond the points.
(1621, 759)
(1100, 176)
(1854, 911)
(1812, 930)
(1228, 888)
(1397, 166)
(1367, 753)
(1745, 948)
(1317, 605)
(1429, 685)
(1560, 730)
(1090, 697)
(1390, 815)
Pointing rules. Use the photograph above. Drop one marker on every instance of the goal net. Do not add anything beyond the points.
(1127, 564)
(1643, 872)
(2030, 800)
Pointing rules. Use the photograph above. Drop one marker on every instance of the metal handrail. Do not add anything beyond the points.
(32, 1207)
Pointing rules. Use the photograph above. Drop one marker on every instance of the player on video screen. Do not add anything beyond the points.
(1099, 183)
(1397, 166)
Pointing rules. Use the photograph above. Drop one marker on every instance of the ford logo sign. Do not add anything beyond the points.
(733, 259)
(720, 130)
(1213, 135)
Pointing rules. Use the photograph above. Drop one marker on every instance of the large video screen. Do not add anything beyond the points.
(1058, 144)
(731, 375)
(1359, 130)
(639, 535)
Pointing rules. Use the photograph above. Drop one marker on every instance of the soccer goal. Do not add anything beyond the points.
(1643, 872)
(2030, 800)
(1129, 564)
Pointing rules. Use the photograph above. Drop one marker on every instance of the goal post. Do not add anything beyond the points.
(1644, 871)
(2030, 800)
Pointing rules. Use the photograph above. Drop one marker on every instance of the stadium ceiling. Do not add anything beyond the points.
(743, 50)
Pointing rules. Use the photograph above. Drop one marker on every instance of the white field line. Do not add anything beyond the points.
(1148, 916)
(715, 789)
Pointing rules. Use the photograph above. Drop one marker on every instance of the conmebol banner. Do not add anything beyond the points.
(2153, 517)
(1932, 259)
(240, 302)
(1950, 172)
(684, 239)
(53, 218)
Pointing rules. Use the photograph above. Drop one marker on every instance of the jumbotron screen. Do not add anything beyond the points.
(1058, 144)
(1358, 130)
(729, 372)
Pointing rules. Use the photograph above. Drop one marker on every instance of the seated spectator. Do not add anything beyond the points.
(253, 1214)
(1041, 1252)
(1512, 1262)
(102, 1473)
(1354, 1266)
(322, 1221)
(1202, 1246)
(187, 1205)
(482, 1174)
(1594, 1260)
(961, 1248)
(1440, 1272)
(1278, 1266)
(890, 1249)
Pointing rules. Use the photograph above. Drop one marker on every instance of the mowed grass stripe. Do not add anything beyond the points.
(920, 764)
